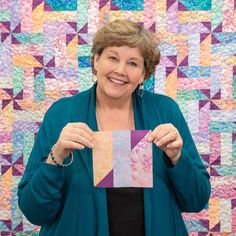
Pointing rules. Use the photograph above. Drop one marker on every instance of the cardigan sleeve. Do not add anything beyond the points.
(189, 176)
(39, 191)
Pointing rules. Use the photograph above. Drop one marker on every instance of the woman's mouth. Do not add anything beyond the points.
(116, 81)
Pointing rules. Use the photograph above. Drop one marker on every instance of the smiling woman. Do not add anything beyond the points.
(119, 71)
(57, 191)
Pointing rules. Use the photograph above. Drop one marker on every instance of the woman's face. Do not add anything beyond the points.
(119, 71)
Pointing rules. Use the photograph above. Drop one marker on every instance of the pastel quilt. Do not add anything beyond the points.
(122, 159)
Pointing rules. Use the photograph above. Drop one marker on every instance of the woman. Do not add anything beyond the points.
(63, 200)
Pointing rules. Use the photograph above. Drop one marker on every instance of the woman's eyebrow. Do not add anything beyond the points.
(135, 58)
(131, 58)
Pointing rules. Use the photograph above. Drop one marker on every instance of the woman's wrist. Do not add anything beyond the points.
(53, 158)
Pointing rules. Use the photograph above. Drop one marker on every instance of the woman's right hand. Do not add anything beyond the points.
(73, 136)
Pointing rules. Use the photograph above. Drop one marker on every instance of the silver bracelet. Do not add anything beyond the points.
(60, 164)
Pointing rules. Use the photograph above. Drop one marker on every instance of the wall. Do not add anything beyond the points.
(44, 55)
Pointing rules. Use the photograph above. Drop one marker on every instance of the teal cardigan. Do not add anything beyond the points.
(64, 201)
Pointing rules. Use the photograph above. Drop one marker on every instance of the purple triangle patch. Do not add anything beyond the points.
(19, 96)
(19, 160)
(7, 157)
(84, 29)
(181, 7)
(206, 158)
(48, 74)
(202, 103)
(170, 3)
(73, 25)
(203, 36)
(7, 25)
(102, 3)
(19, 227)
(16, 106)
(233, 202)
(114, 7)
(9, 91)
(206, 92)
(152, 28)
(184, 62)
(217, 96)
(169, 70)
(17, 170)
(216, 228)
(181, 74)
(203, 234)
(5, 168)
(214, 40)
(234, 70)
(5, 102)
(218, 28)
(216, 161)
(37, 70)
(69, 38)
(51, 63)
(4, 36)
(213, 172)
(233, 136)
(107, 181)
(36, 3)
(73, 92)
(207, 24)
(17, 29)
(47, 7)
(8, 223)
(14, 40)
(173, 59)
(39, 59)
(204, 223)
(213, 106)
(136, 137)
(81, 41)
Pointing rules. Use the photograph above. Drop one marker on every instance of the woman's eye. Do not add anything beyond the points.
(133, 63)
(112, 58)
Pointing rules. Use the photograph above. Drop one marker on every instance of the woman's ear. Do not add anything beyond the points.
(95, 62)
(141, 80)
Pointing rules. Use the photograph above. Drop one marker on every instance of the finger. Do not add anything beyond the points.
(154, 133)
(161, 134)
(83, 130)
(166, 139)
(175, 144)
(74, 145)
(83, 126)
(82, 140)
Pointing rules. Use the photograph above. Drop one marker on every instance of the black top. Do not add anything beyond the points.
(125, 211)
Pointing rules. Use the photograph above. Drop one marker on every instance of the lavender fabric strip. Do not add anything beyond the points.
(121, 158)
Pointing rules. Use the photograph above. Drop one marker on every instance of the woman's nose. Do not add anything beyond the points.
(120, 69)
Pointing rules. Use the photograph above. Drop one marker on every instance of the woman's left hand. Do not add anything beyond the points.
(168, 139)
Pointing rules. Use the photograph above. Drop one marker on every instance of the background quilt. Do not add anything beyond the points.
(45, 54)
(122, 158)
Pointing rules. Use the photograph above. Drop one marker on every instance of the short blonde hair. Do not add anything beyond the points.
(122, 32)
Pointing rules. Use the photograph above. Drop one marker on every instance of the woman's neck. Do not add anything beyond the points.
(105, 103)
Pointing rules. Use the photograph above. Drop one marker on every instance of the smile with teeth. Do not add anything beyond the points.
(117, 81)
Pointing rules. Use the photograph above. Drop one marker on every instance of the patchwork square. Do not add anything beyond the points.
(122, 159)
